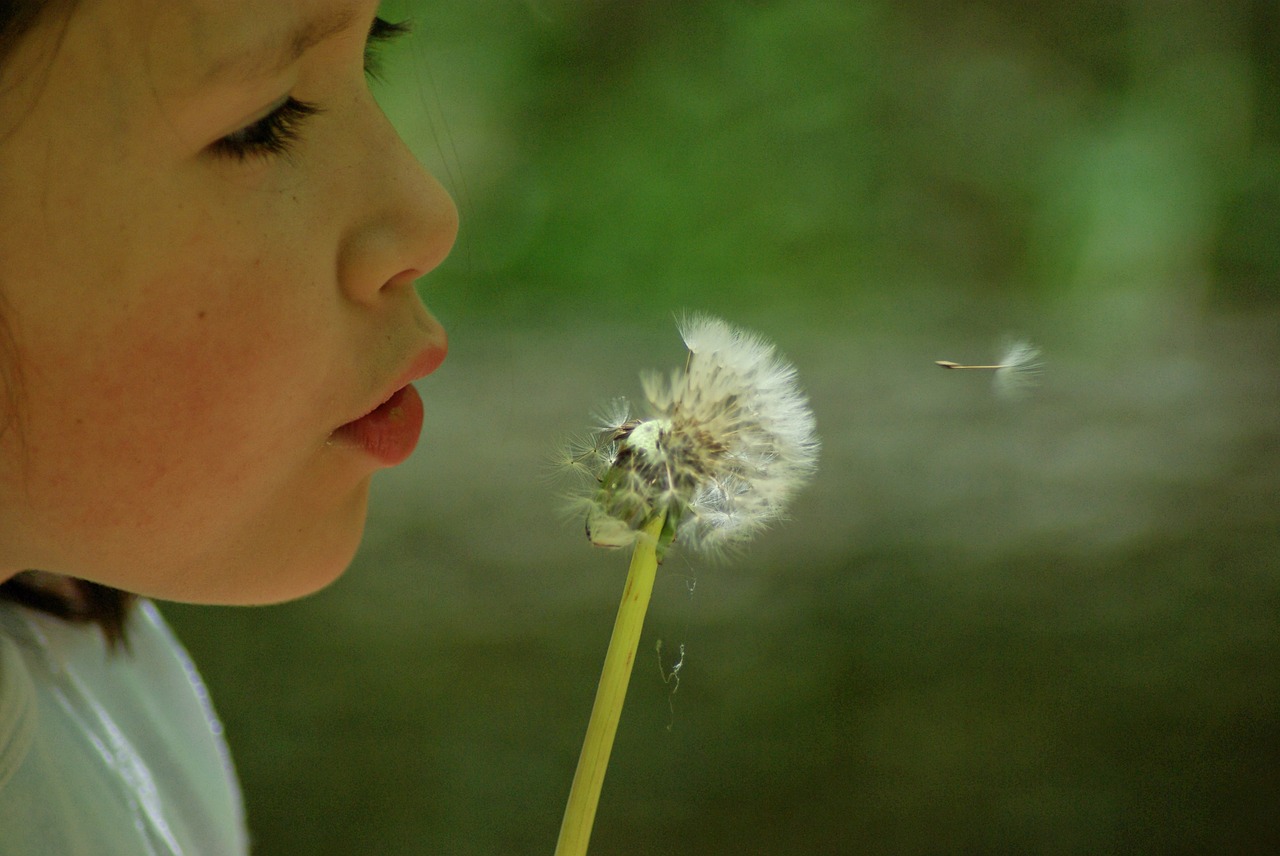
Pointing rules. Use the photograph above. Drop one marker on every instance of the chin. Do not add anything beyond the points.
(305, 579)
(303, 568)
(274, 564)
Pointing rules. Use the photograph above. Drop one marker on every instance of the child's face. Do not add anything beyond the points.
(196, 312)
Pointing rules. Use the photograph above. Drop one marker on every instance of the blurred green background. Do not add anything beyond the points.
(1050, 627)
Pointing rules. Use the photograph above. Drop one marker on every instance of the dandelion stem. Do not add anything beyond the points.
(584, 795)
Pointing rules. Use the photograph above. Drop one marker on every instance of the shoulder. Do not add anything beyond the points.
(121, 745)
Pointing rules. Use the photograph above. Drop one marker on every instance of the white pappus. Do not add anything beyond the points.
(726, 442)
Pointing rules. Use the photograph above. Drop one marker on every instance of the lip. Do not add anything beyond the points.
(388, 432)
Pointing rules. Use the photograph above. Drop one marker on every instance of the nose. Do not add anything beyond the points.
(408, 221)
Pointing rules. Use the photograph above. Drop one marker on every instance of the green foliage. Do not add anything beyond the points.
(729, 154)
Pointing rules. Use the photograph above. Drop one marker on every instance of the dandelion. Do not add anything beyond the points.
(1018, 370)
(724, 444)
(727, 442)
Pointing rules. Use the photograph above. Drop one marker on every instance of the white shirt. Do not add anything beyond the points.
(109, 752)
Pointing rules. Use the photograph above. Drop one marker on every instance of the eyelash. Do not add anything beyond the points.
(277, 132)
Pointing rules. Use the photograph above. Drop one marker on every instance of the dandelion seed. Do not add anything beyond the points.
(1018, 370)
(729, 440)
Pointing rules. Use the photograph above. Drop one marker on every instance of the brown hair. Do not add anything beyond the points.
(65, 597)
(73, 600)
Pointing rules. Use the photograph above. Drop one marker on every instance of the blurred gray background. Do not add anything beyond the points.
(1048, 626)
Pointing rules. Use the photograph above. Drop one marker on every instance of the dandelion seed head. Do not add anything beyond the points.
(728, 441)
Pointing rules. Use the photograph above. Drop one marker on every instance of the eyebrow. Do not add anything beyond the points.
(282, 49)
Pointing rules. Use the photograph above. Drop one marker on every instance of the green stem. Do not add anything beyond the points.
(580, 813)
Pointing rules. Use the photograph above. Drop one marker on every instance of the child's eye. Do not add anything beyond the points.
(273, 134)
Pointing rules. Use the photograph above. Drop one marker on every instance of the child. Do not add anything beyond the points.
(209, 236)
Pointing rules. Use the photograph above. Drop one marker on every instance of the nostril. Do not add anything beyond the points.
(405, 277)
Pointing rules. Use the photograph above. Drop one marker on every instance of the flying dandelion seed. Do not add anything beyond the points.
(729, 440)
(1016, 373)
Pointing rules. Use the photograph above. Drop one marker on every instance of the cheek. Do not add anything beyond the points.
(200, 389)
